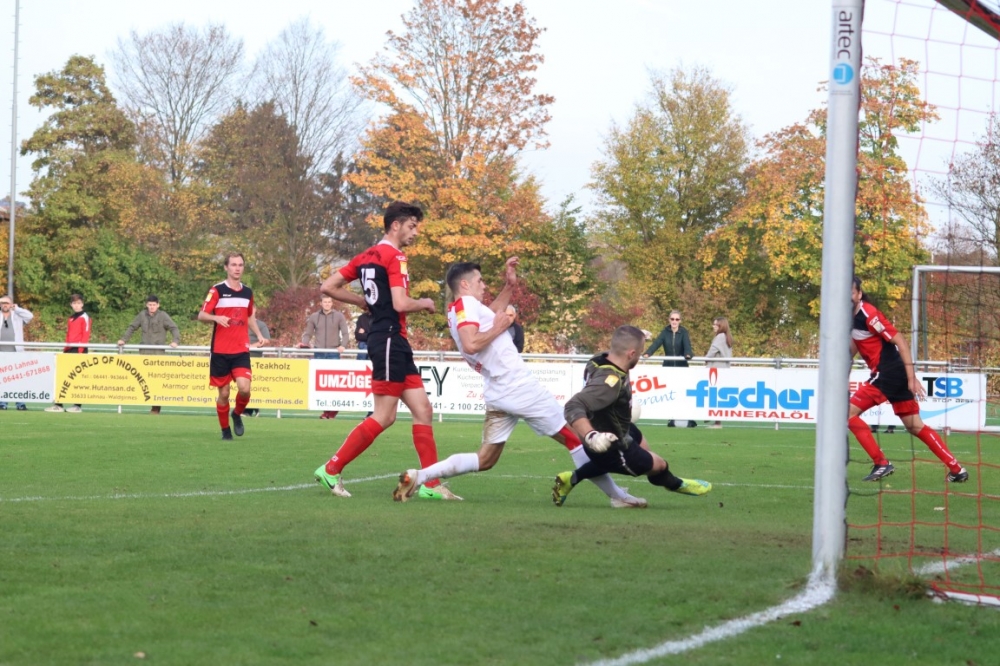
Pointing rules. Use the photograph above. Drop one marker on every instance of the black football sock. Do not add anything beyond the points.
(666, 479)
(587, 470)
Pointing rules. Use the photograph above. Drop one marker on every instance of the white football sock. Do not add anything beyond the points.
(604, 482)
(455, 465)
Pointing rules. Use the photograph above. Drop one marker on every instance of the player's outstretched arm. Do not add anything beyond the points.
(335, 287)
(502, 300)
(401, 302)
(209, 318)
(474, 340)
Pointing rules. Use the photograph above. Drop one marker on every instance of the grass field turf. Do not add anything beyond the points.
(122, 534)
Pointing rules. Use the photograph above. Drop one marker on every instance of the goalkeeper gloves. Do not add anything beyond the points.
(600, 442)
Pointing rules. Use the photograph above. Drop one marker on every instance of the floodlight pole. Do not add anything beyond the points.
(13, 158)
(830, 495)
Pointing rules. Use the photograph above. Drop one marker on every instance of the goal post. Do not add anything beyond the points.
(830, 490)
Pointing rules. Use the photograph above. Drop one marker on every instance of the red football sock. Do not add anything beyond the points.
(223, 412)
(357, 441)
(937, 446)
(423, 442)
(241, 403)
(571, 440)
(863, 432)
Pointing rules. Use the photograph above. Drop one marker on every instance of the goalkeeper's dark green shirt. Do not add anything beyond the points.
(606, 400)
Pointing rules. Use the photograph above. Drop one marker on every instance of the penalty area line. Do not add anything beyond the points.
(303, 486)
(195, 493)
(818, 592)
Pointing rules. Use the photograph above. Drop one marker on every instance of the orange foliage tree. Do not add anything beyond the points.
(767, 258)
(460, 91)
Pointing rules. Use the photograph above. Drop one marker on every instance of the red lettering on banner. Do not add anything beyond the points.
(358, 381)
(748, 414)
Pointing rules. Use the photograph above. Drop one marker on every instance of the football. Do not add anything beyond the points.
(636, 412)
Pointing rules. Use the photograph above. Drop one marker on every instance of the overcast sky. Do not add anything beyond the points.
(598, 55)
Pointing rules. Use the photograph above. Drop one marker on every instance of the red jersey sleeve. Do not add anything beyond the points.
(397, 270)
(879, 325)
(211, 301)
(350, 271)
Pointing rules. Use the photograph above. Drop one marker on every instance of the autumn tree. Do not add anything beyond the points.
(767, 257)
(259, 182)
(347, 210)
(465, 68)
(72, 241)
(670, 176)
(77, 146)
(298, 72)
(459, 86)
(176, 82)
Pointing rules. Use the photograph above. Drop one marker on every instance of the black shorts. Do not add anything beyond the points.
(391, 357)
(223, 368)
(634, 433)
(632, 459)
(893, 384)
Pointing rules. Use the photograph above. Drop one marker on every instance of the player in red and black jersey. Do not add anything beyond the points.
(385, 281)
(229, 308)
(892, 380)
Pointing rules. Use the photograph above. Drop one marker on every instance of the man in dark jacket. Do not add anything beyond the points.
(675, 341)
(154, 324)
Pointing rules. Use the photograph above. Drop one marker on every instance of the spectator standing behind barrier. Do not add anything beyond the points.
(675, 341)
(516, 330)
(361, 329)
(721, 347)
(77, 335)
(154, 324)
(12, 331)
(255, 352)
(326, 329)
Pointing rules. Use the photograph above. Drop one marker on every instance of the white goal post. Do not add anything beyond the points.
(841, 184)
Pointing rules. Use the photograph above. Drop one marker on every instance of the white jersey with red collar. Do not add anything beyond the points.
(500, 357)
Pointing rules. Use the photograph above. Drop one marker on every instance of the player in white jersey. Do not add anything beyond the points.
(510, 390)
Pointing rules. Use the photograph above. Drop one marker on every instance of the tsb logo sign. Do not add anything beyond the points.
(943, 387)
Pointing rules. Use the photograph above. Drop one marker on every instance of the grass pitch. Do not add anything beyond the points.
(127, 537)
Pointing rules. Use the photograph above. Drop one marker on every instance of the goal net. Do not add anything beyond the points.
(915, 521)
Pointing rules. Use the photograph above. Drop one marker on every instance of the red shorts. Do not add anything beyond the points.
(395, 389)
(868, 396)
(224, 368)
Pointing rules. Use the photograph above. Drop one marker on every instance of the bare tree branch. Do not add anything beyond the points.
(299, 73)
(176, 83)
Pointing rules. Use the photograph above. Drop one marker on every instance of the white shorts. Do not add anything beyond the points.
(527, 400)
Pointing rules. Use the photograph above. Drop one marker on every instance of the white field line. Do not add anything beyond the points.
(935, 568)
(195, 493)
(819, 591)
(300, 486)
